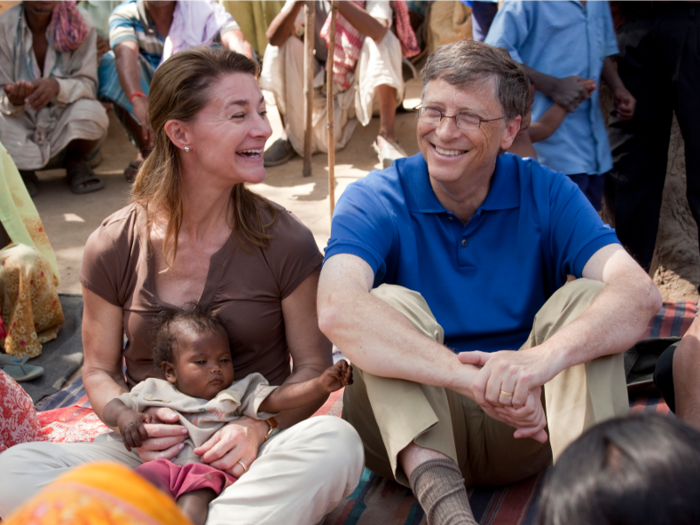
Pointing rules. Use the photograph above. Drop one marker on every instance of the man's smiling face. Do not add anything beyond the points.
(451, 152)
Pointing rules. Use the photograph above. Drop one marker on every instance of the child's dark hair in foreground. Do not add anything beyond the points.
(191, 348)
(643, 468)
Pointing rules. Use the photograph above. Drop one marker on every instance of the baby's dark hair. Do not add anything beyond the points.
(164, 335)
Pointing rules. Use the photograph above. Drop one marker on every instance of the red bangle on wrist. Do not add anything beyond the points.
(139, 94)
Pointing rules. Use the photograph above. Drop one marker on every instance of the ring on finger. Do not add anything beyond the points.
(245, 469)
(507, 394)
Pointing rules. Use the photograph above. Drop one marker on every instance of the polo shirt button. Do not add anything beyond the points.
(451, 218)
(464, 242)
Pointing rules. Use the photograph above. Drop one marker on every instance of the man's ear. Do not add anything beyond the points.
(510, 132)
(169, 372)
(178, 132)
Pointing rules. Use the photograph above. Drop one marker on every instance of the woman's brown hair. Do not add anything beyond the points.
(179, 90)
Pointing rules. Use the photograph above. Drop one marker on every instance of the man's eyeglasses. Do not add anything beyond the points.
(464, 121)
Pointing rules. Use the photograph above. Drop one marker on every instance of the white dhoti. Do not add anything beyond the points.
(283, 75)
(34, 138)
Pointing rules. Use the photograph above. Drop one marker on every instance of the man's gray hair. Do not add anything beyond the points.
(469, 63)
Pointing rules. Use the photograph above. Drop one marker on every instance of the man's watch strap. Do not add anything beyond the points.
(273, 426)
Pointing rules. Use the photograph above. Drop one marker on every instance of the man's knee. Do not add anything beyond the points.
(414, 307)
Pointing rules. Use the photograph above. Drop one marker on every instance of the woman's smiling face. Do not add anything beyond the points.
(228, 135)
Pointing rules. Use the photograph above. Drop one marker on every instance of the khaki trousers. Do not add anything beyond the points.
(391, 413)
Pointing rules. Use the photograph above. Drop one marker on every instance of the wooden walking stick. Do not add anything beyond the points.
(309, 29)
(330, 108)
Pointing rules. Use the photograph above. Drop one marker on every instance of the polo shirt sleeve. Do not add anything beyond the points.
(577, 231)
(362, 226)
(511, 26)
(122, 24)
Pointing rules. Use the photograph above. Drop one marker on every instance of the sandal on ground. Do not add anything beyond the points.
(83, 180)
(21, 371)
(132, 170)
(388, 152)
(9, 359)
(279, 153)
(30, 182)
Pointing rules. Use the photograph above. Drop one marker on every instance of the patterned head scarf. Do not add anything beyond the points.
(99, 494)
(67, 29)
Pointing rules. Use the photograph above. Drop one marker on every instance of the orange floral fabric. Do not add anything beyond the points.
(29, 304)
(99, 494)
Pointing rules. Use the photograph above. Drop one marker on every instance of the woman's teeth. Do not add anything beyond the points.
(251, 152)
(449, 152)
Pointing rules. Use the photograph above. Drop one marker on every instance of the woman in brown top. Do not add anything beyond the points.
(195, 233)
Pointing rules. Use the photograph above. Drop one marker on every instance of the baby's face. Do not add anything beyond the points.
(203, 365)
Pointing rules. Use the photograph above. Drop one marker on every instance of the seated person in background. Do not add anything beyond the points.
(643, 468)
(192, 348)
(254, 17)
(100, 11)
(367, 69)
(142, 35)
(29, 303)
(546, 125)
(560, 43)
(48, 113)
(677, 376)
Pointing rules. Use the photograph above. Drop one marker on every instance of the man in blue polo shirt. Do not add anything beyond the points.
(462, 249)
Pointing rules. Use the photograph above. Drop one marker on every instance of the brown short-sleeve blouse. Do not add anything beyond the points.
(244, 289)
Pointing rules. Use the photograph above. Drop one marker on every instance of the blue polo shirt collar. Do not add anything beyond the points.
(421, 198)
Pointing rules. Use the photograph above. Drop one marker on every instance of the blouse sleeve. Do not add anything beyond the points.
(292, 254)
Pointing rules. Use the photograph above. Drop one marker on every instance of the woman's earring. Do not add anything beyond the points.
(187, 149)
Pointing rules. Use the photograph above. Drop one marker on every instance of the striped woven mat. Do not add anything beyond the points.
(377, 501)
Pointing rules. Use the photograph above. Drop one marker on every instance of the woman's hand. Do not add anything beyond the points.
(236, 442)
(164, 436)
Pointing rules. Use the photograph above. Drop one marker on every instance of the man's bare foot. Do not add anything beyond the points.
(388, 150)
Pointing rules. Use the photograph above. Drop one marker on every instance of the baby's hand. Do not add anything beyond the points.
(131, 427)
(337, 376)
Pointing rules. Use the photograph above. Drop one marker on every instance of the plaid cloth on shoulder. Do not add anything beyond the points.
(348, 40)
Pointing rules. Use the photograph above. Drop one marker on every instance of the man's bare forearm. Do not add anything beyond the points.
(613, 323)
(363, 21)
(610, 75)
(543, 83)
(282, 26)
(127, 62)
(382, 341)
